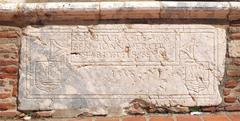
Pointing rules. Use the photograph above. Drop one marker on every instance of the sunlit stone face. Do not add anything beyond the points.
(109, 65)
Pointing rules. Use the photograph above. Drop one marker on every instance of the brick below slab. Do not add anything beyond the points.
(188, 118)
(134, 118)
(161, 118)
(234, 117)
(107, 119)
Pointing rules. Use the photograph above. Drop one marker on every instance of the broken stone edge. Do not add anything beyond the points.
(44, 12)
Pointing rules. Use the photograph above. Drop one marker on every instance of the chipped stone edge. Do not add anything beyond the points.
(33, 12)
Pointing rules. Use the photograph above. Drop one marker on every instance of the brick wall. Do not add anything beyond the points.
(9, 61)
(231, 85)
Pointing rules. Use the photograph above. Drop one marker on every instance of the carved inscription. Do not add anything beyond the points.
(172, 64)
(125, 47)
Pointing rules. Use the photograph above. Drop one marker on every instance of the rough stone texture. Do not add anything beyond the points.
(109, 65)
(233, 47)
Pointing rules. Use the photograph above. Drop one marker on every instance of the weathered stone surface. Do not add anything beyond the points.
(234, 50)
(186, 10)
(110, 65)
(130, 10)
(43, 13)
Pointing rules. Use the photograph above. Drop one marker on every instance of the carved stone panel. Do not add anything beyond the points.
(109, 65)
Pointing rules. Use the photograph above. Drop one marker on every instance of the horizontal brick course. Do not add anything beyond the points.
(159, 117)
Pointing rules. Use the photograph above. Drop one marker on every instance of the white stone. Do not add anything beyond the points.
(109, 65)
(194, 10)
(76, 11)
(234, 48)
(130, 10)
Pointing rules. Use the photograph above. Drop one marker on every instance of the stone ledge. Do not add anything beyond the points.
(33, 12)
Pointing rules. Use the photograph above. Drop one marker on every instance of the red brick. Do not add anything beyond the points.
(7, 90)
(6, 106)
(77, 119)
(14, 91)
(161, 118)
(9, 70)
(2, 83)
(135, 118)
(237, 90)
(234, 36)
(44, 114)
(215, 118)
(234, 117)
(231, 83)
(209, 109)
(9, 76)
(232, 108)
(4, 95)
(236, 61)
(188, 118)
(107, 119)
(9, 113)
(8, 34)
(230, 99)
(13, 82)
(226, 92)
(233, 73)
(8, 62)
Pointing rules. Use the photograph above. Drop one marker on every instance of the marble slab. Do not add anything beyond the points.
(109, 65)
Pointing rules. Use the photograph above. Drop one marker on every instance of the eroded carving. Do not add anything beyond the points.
(167, 64)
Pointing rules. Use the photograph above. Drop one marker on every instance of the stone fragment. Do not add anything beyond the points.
(178, 109)
(161, 110)
(233, 29)
(109, 65)
(209, 109)
(44, 114)
(234, 50)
